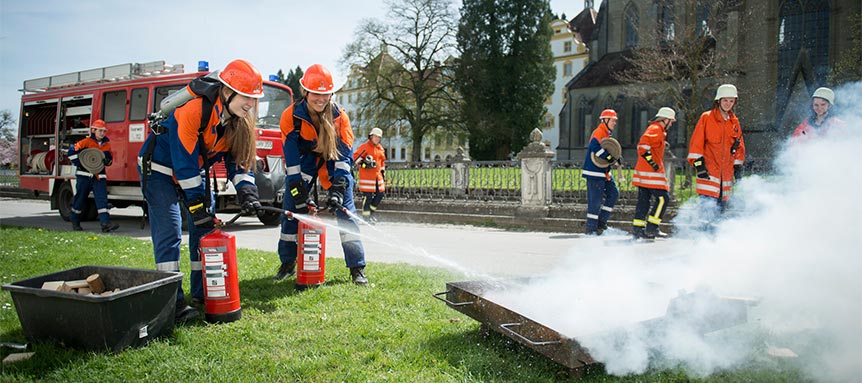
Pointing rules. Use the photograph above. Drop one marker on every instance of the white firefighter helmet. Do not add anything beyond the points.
(826, 94)
(725, 91)
(665, 112)
(376, 132)
(612, 146)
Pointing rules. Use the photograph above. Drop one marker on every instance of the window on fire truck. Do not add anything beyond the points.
(138, 104)
(114, 106)
(162, 92)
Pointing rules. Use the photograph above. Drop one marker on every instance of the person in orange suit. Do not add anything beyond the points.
(370, 157)
(717, 151)
(650, 177)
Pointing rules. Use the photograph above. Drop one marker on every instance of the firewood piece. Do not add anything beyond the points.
(53, 285)
(17, 357)
(84, 290)
(96, 284)
(77, 284)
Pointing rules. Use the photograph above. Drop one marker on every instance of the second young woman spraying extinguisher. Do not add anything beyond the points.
(318, 142)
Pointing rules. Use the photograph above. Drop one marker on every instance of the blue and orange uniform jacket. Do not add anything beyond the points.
(177, 153)
(299, 143)
(590, 169)
(90, 142)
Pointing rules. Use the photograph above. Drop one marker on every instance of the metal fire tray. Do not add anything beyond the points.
(471, 299)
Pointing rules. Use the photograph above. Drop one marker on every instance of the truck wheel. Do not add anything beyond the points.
(269, 218)
(65, 196)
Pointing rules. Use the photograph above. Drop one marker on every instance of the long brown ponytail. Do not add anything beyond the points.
(241, 137)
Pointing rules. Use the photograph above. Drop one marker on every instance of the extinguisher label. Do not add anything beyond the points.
(311, 250)
(214, 275)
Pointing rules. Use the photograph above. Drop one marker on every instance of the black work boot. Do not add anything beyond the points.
(284, 271)
(185, 312)
(601, 228)
(358, 275)
(109, 227)
(76, 226)
(638, 232)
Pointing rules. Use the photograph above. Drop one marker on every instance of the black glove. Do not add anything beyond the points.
(700, 166)
(648, 157)
(383, 173)
(107, 161)
(301, 201)
(248, 198)
(737, 172)
(200, 216)
(608, 157)
(335, 198)
(736, 142)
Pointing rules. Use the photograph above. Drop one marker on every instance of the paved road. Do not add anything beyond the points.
(473, 250)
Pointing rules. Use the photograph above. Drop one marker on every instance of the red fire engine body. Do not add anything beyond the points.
(56, 112)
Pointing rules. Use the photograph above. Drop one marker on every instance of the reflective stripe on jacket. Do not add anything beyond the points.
(371, 179)
(653, 140)
(712, 139)
(298, 145)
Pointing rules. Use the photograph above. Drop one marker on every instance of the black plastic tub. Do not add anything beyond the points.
(142, 310)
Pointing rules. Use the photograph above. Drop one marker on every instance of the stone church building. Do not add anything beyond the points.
(783, 49)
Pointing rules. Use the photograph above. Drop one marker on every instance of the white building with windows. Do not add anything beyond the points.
(570, 57)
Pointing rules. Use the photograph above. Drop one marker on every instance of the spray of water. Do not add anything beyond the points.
(792, 244)
(382, 237)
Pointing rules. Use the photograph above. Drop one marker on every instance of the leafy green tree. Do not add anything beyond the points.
(292, 80)
(505, 72)
(404, 64)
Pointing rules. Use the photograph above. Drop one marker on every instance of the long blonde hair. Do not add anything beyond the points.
(327, 137)
(241, 136)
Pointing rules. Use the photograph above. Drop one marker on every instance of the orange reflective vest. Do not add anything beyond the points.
(371, 179)
(653, 141)
(713, 139)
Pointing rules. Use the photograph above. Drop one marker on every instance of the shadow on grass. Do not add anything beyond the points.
(492, 356)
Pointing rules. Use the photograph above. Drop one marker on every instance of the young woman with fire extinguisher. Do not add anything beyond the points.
(318, 142)
(717, 151)
(218, 124)
(370, 157)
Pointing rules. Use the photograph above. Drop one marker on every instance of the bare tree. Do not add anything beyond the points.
(404, 65)
(684, 64)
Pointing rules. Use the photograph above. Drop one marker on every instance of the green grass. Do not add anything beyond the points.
(390, 331)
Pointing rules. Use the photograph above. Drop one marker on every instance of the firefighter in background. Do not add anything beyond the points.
(650, 177)
(371, 159)
(172, 165)
(86, 181)
(318, 142)
(602, 192)
(717, 151)
(821, 119)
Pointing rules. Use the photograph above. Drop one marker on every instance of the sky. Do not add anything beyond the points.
(40, 38)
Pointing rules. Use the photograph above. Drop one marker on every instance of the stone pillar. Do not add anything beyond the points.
(535, 176)
(460, 173)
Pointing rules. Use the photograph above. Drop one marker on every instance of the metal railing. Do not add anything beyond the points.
(9, 178)
(500, 181)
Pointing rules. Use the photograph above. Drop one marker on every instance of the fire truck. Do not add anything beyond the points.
(56, 112)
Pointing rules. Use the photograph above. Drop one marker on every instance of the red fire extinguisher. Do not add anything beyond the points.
(311, 250)
(221, 282)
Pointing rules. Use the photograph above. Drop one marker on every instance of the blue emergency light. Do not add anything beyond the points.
(203, 66)
(273, 78)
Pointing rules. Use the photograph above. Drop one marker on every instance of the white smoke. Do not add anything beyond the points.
(795, 245)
